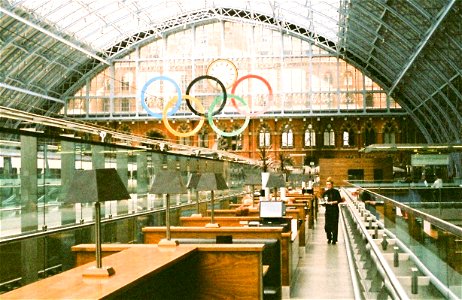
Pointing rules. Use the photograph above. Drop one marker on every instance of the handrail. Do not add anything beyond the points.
(35, 234)
(427, 217)
(435, 281)
(354, 277)
(396, 288)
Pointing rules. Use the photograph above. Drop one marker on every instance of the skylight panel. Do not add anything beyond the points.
(102, 23)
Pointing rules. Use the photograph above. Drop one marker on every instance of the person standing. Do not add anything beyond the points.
(332, 199)
(438, 184)
(369, 203)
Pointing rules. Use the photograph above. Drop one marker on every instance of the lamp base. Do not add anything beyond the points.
(99, 272)
(167, 243)
(212, 225)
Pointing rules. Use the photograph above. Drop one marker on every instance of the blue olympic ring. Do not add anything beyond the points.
(144, 104)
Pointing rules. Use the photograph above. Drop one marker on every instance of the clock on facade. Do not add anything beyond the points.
(223, 69)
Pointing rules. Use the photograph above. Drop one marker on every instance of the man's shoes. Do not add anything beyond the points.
(333, 243)
(328, 241)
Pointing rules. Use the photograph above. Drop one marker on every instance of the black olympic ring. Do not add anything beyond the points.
(223, 102)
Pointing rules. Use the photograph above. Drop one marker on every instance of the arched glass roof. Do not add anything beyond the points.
(411, 48)
(101, 24)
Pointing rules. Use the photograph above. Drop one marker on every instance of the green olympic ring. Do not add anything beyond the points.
(219, 131)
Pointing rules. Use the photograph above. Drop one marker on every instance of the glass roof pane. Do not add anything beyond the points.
(102, 23)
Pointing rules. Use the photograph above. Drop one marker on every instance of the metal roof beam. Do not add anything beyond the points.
(422, 45)
(55, 36)
(13, 88)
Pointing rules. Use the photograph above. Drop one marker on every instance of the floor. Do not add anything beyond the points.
(323, 273)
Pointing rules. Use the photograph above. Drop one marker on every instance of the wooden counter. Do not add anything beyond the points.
(289, 245)
(132, 267)
(151, 272)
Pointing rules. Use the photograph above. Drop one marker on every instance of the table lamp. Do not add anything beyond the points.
(97, 186)
(304, 179)
(211, 182)
(252, 179)
(192, 184)
(168, 182)
(275, 180)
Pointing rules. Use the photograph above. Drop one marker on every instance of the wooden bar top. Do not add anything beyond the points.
(131, 266)
(200, 247)
(212, 231)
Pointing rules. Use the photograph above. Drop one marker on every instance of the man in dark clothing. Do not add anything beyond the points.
(331, 198)
(369, 202)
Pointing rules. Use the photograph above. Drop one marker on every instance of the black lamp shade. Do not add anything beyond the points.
(275, 180)
(252, 179)
(193, 180)
(305, 177)
(211, 181)
(168, 182)
(97, 185)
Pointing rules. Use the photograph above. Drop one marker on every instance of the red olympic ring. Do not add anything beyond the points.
(254, 114)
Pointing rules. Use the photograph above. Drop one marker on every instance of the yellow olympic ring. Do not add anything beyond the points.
(173, 101)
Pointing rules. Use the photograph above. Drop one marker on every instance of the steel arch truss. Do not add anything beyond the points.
(411, 48)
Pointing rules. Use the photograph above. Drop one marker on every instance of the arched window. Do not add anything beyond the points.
(389, 136)
(264, 137)
(329, 136)
(328, 80)
(348, 136)
(310, 136)
(236, 140)
(348, 79)
(126, 81)
(203, 139)
(287, 137)
(183, 127)
(369, 134)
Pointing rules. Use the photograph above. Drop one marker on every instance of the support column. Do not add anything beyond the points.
(122, 170)
(142, 180)
(67, 171)
(389, 212)
(29, 219)
(97, 162)
(415, 227)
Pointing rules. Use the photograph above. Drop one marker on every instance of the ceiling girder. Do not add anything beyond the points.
(425, 39)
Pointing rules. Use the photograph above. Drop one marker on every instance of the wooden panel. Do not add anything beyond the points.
(155, 234)
(229, 275)
(337, 168)
(223, 221)
(232, 213)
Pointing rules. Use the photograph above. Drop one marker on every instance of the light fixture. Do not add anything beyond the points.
(192, 185)
(167, 182)
(211, 182)
(275, 180)
(252, 179)
(97, 186)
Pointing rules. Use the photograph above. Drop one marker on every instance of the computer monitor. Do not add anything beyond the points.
(272, 209)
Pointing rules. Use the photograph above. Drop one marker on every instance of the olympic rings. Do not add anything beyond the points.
(223, 88)
(236, 83)
(183, 134)
(175, 102)
(178, 91)
(216, 129)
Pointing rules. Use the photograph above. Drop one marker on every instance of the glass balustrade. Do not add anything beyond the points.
(426, 220)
